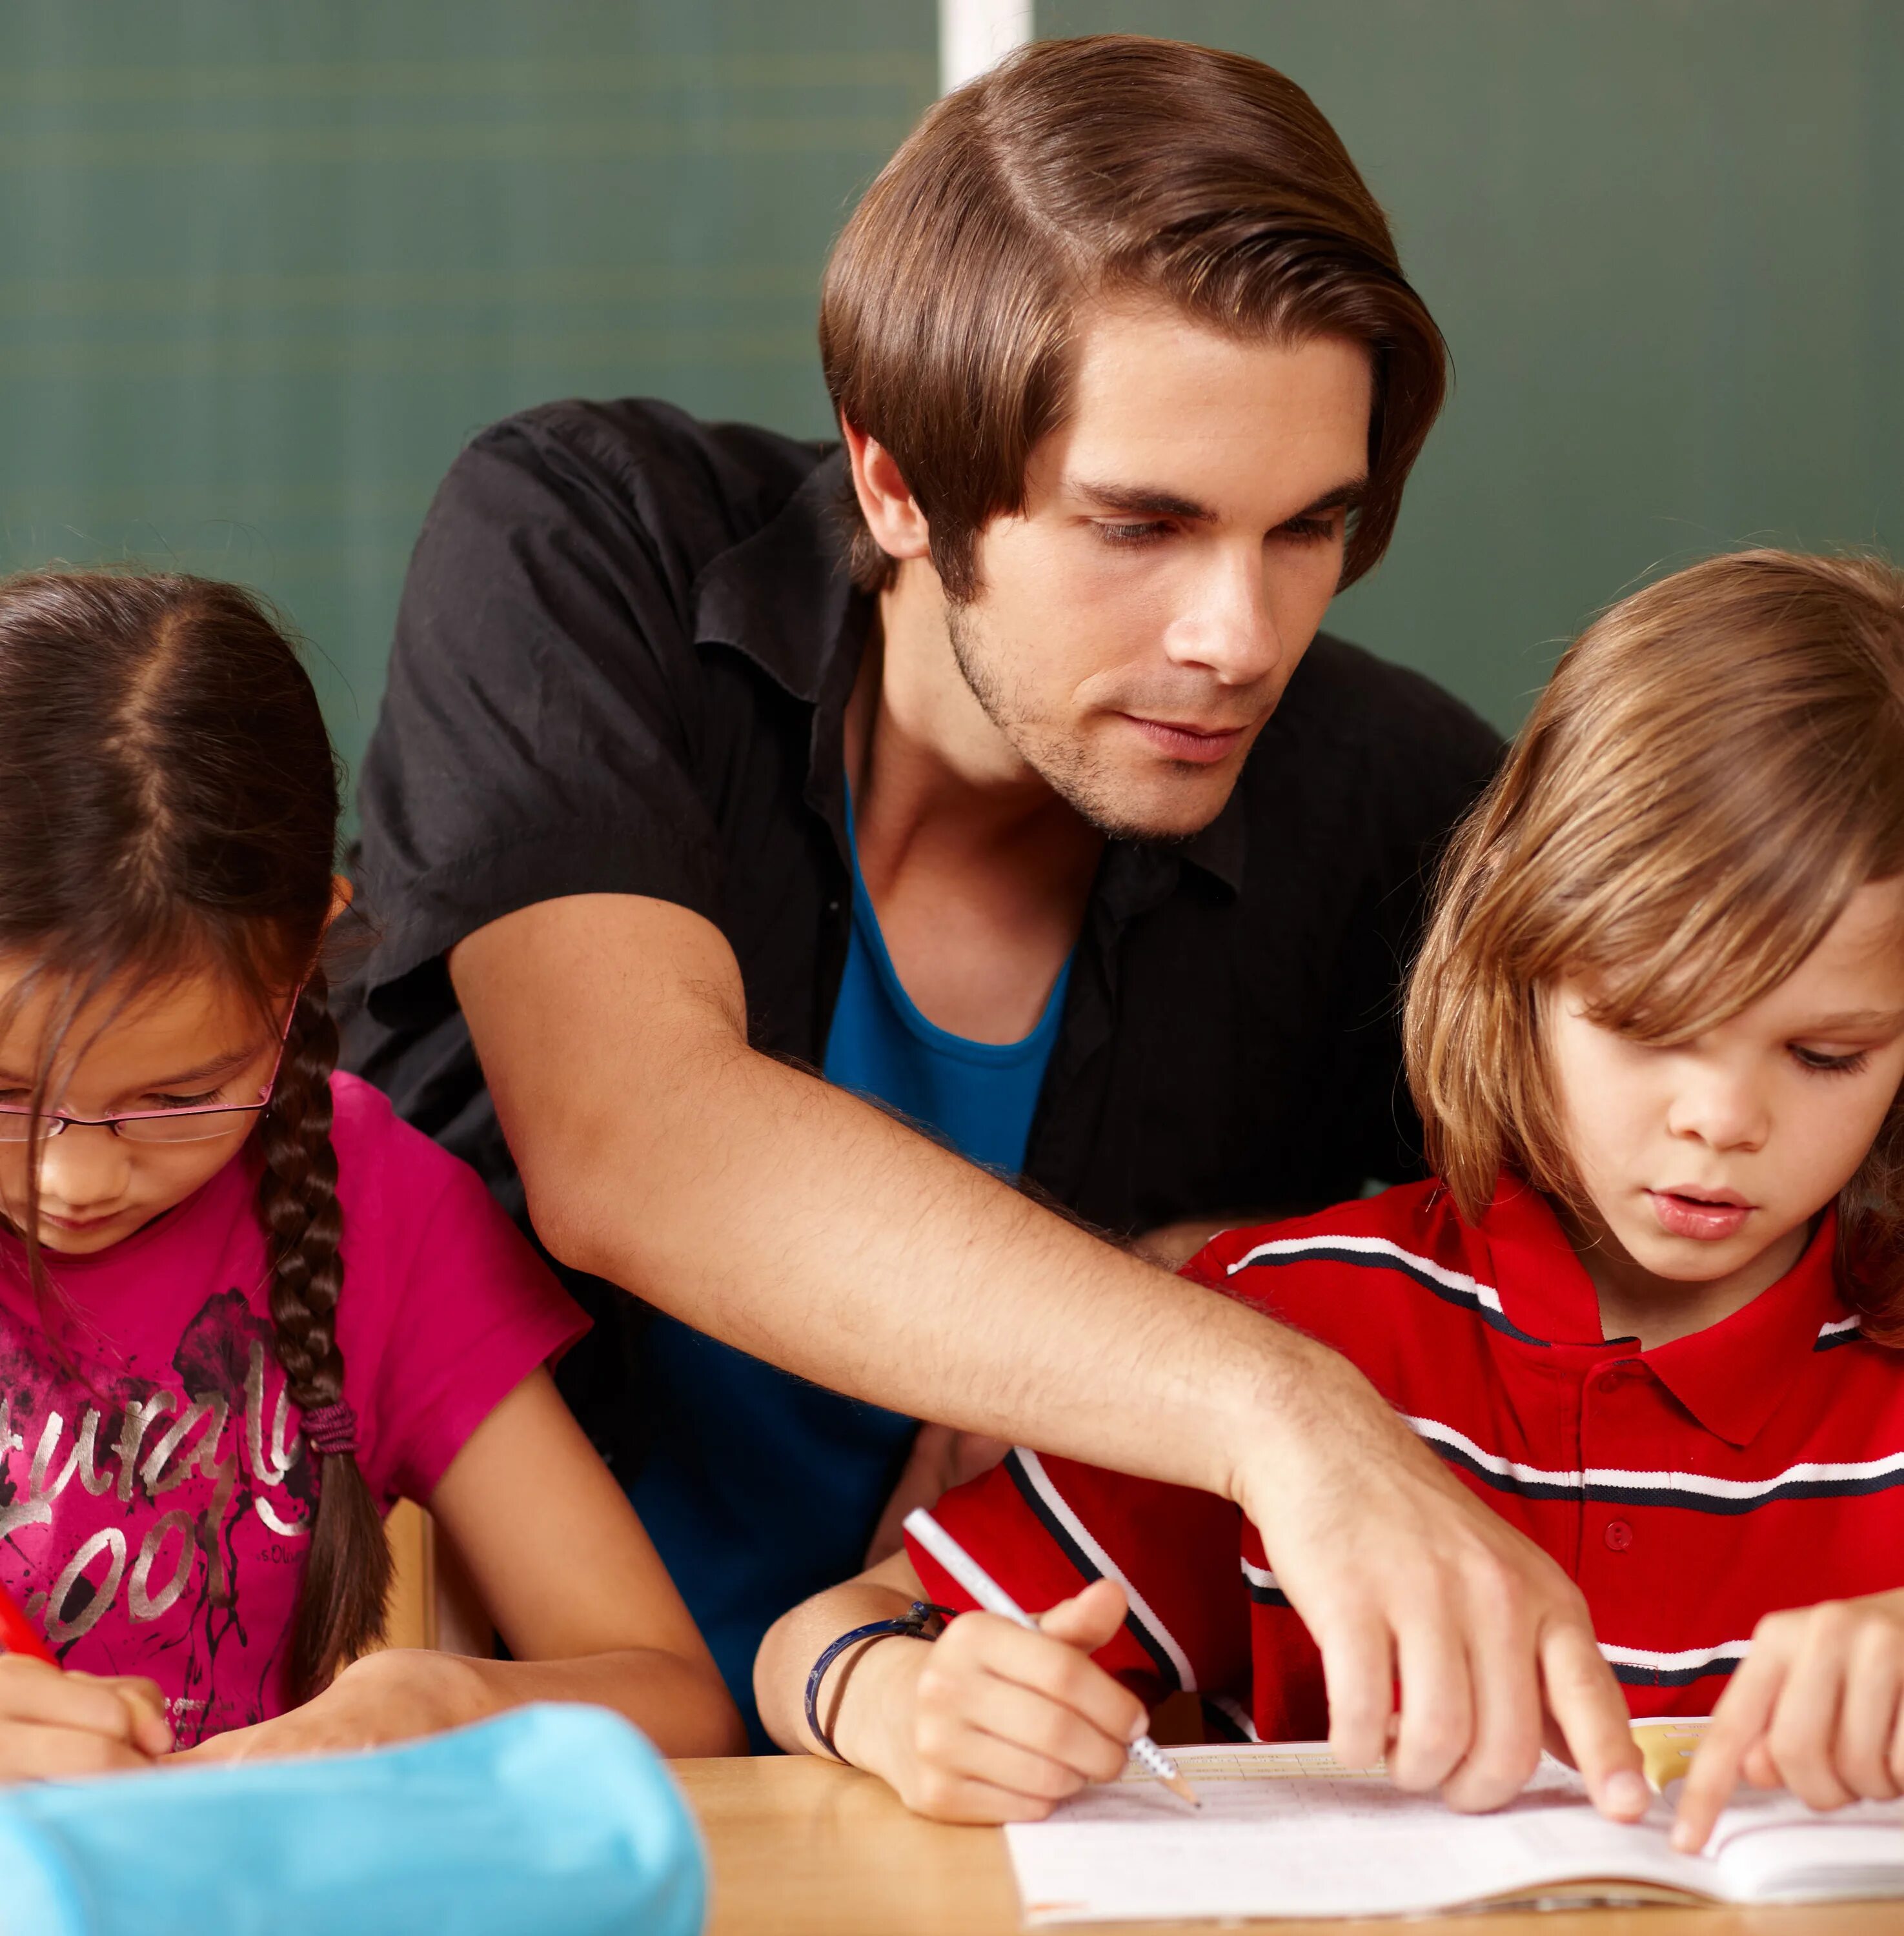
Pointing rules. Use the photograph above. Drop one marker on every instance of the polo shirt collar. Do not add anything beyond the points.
(1731, 1377)
(1543, 1287)
(784, 597)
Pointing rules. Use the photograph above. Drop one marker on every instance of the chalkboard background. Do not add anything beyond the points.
(264, 266)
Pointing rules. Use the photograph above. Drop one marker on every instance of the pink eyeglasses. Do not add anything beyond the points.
(197, 1123)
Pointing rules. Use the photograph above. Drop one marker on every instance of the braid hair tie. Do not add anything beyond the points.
(330, 1428)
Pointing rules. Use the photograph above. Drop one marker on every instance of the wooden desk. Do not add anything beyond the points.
(801, 1847)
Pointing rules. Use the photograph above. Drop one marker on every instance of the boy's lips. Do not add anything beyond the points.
(1709, 1216)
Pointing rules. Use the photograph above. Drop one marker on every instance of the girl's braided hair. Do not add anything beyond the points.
(171, 801)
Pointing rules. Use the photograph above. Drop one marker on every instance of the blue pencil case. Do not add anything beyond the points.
(554, 1818)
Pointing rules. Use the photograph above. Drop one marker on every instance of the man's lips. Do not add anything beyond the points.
(1709, 1215)
(1202, 746)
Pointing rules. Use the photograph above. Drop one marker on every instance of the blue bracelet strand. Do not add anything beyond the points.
(919, 1617)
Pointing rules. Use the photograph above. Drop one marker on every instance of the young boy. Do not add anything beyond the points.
(1657, 1036)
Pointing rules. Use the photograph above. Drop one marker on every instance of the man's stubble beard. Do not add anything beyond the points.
(1063, 766)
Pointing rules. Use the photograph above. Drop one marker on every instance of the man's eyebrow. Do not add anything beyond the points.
(1350, 492)
(1144, 499)
(1148, 500)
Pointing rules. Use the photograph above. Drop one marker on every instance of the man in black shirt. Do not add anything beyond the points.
(990, 763)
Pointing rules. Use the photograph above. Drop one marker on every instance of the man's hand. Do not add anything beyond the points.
(54, 1725)
(1816, 1707)
(1403, 1576)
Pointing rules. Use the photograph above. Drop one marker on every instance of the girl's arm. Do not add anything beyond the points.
(1818, 1707)
(574, 1586)
(988, 1723)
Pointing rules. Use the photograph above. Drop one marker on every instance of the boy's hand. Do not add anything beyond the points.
(1002, 1724)
(1818, 1707)
(55, 1724)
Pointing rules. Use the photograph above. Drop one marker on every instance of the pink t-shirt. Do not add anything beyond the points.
(155, 1508)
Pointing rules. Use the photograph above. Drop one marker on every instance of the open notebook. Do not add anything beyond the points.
(1284, 1832)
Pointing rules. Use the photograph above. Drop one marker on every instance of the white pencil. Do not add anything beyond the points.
(994, 1599)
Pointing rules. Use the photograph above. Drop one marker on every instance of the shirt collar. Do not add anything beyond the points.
(1218, 848)
(1731, 1377)
(1544, 1288)
(785, 598)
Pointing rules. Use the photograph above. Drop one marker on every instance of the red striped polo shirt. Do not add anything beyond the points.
(1688, 1489)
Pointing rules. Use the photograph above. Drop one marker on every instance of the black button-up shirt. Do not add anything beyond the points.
(622, 666)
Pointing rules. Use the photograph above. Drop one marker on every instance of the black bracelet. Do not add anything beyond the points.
(919, 1617)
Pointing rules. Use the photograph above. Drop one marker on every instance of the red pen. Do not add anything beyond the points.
(17, 1634)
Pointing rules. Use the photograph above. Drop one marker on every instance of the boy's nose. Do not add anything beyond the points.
(1723, 1114)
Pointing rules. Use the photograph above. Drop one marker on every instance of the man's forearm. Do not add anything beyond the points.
(807, 1228)
(799, 1224)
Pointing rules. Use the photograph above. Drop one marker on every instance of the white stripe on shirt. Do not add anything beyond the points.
(1141, 1610)
(1484, 1294)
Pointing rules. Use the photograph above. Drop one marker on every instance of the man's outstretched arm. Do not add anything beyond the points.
(795, 1221)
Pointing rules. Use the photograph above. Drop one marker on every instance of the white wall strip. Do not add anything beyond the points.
(974, 34)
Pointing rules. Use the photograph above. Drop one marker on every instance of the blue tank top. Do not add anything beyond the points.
(979, 1096)
(761, 1488)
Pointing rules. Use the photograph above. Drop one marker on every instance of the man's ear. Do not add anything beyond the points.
(891, 512)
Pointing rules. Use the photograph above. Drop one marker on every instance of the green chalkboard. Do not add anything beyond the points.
(264, 266)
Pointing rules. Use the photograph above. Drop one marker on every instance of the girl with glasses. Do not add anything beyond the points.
(242, 1309)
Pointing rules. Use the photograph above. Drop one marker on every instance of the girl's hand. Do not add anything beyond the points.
(1818, 1707)
(55, 1724)
(393, 1695)
(993, 1723)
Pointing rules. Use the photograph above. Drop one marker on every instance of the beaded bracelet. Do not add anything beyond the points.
(919, 1617)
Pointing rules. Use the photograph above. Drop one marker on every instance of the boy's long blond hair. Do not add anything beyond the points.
(1716, 766)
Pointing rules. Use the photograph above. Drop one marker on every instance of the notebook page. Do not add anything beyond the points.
(1771, 1848)
(1284, 1832)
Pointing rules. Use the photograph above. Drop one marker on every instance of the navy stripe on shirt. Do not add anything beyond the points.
(1453, 1288)
(1087, 1568)
(1691, 1492)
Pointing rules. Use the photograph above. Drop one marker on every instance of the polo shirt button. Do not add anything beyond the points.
(1619, 1534)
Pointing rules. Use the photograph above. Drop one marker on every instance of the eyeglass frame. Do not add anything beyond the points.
(57, 1122)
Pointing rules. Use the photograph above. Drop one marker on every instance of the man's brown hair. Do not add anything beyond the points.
(1081, 170)
(1715, 768)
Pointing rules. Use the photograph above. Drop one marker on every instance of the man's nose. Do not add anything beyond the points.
(1722, 1108)
(1230, 628)
(81, 1167)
